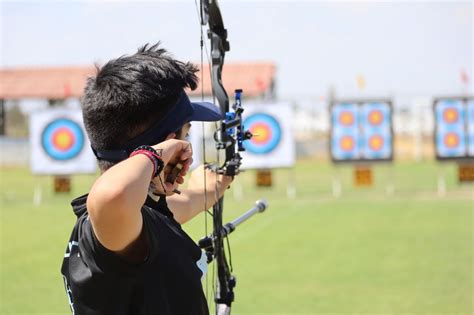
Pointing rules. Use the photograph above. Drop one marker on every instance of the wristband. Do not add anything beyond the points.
(155, 158)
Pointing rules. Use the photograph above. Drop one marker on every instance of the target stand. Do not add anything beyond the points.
(361, 135)
(363, 176)
(264, 178)
(466, 172)
(62, 184)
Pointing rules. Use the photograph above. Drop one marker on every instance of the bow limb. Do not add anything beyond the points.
(211, 14)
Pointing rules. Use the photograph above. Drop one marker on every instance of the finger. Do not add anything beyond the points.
(180, 180)
(171, 188)
(187, 152)
(186, 166)
(177, 169)
(173, 151)
(171, 136)
(168, 187)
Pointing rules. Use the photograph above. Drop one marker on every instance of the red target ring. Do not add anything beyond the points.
(450, 115)
(375, 117)
(451, 140)
(347, 143)
(346, 118)
(376, 143)
(262, 133)
(63, 139)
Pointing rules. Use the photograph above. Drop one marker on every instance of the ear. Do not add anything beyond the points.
(171, 136)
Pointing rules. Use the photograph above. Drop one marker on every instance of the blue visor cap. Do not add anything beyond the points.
(184, 111)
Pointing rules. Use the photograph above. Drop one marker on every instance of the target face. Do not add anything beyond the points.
(266, 133)
(450, 133)
(345, 132)
(376, 142)
(450, 115)
(451, 140)
(62, 139)
(377, 131)
(375, 117)
(347, 143)
(361, 131)
(346, 118)
(470, 127)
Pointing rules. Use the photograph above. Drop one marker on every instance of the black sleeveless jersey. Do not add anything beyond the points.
(98, 281)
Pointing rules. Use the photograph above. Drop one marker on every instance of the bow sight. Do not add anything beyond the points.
(230, 137)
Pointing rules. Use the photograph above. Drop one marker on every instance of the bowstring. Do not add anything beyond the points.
(216, 128)
(203, 131)
(203, 48)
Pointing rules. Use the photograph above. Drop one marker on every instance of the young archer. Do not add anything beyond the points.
(128, 253)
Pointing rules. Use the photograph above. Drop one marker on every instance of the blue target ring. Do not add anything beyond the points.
(62, 139)
(267, 132)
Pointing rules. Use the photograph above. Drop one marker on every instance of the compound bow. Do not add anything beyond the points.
(229, 137)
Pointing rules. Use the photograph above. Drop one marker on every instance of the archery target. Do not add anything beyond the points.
(347, 118)
(345, 132)
(59, 144)
(450, 132)
(377, 133)
(361, 131)
(266, 132)
(272, 145)
(62, 139)
(470, 127)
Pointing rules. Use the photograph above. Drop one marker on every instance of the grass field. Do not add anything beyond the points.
(367, 252)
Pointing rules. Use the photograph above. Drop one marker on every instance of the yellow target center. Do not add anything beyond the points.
(375, 117)
(347, 118)
(451, 140)
(261, 133)
(347, 143)
(375, 143)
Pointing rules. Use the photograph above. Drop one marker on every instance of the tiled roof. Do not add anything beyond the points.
(63, 82)
(254, 78)
(48, 83)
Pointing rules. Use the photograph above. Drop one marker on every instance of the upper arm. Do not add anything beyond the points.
(116, 222)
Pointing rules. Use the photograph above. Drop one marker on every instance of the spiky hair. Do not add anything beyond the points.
(129, 93)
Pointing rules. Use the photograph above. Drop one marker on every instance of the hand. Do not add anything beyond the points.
(172, 152)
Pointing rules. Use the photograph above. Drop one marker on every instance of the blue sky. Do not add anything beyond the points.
(401, 48)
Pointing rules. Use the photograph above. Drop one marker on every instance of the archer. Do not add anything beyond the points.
(130, 255)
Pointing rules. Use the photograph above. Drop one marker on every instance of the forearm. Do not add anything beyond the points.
(196, 199)
(196, 202)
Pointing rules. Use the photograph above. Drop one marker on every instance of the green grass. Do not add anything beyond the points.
(410, 252)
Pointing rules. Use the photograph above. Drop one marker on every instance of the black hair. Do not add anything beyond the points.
(130, 93)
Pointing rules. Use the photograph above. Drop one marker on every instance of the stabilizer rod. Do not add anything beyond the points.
(260, 206)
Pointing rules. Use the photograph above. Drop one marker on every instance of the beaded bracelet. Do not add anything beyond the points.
(154, 157)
